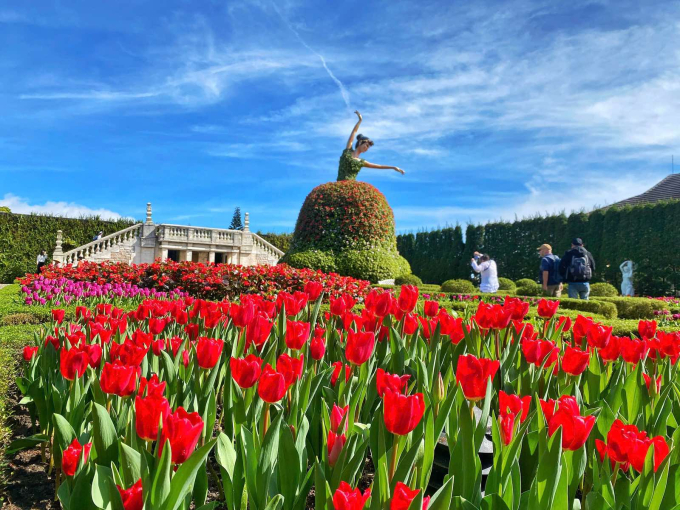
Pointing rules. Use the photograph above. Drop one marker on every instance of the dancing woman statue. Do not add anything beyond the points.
(350, 163)
(627, 283)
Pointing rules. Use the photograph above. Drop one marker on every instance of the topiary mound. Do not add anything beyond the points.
(527, 288)
(603, 289)
(348, 227)
(408, 279)
(506, 284)
(458, 286)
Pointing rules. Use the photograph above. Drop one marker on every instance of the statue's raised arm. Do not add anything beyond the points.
(350, 162)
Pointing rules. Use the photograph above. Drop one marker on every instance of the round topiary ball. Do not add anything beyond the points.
(408, 279)
(529, 288)
(523, 282)
(603, 289)
(506, 284)
(458, 286)
(350, 226)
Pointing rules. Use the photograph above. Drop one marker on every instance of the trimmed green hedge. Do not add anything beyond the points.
(458, 286)
(506, 284)
(22, 236)
(634, 308)
(408, 279)
(603, 289)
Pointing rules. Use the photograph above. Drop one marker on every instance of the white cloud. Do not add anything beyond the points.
(68, 209)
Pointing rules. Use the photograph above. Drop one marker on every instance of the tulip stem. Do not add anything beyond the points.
(395, 452)
(616, 472)
(472, 411)
(265, 419)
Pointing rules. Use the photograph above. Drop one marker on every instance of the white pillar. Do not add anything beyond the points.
(188, 255)
(164, 254)
(58, 255)
(211, 256)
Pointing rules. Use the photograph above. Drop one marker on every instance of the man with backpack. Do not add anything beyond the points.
(549, 276)
(577, 268)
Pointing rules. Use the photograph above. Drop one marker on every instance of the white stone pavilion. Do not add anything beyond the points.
(146, 242)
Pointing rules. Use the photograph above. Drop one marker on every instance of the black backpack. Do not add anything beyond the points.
(579, 269)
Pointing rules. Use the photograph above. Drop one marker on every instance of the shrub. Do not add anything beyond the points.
(634, 308)
(523, 282)
(593, 306)
(506, 284)
(321, 260)
(408, 279)
(16, 319)
(371, 265)
(528, 288)
(603, 289)
(458, 286)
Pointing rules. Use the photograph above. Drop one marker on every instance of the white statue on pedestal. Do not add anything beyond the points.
(627, 283)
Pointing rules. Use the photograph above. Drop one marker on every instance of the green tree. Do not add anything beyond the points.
(236, 221)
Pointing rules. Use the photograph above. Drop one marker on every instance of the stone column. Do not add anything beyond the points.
(149, 221)
(211, 256)
(188, 255)
(246, 226)
(164, 254)
(145, 251)
(58, 255)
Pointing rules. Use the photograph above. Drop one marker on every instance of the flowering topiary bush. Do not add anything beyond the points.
(347, 225)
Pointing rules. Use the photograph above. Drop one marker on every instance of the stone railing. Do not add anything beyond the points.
(90, 249)
(166, 232)
(266, 247)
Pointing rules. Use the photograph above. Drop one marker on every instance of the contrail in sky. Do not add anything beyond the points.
(343, 90)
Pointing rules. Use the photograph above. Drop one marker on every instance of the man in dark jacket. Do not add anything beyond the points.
(577, 268)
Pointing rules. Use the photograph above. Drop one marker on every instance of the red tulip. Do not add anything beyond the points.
(297, 333)
(72, 363)
(313, 290)
(547, 308)
(29, 352)
(612, 351)
(183, 430)
(335, 445)
(536, 351)
(149, 412)
(627, 445)
(581, 327)
(70, 458)
(510, 407)
(133, 498)
(648, 381)
(359, 347)
(385, 381)
(430, 308)
(156, 326)
(317, 347)
(258, 331)
(337, 368)
(338, 306)
(575, 361)
(575, 428)
(128, 352)
(246, 371)
(632, 351)
(564, 324)
(58, 316)
(404, 496)
(272, 386)
(119, 379)
(472, 374)
(94, 354)
(337, 414)
(408, 297)
(291, 368)
(647, 329)
(517, 308)
(83, 313)
(599, 335)
(410, 324)
(151, 387)
(383, 304)
(346, 498)
(208, 351)
(402, 413)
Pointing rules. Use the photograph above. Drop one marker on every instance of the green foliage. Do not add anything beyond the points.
(523, 282)
(526, 287)
(236, 221)
(646, 234)
(5, 209)
(281, 241)
(372, 265)
(458, 286)
(634, 308)
(593, 306)
(316, 259)
(22, 236)
(506, 284)
(15, 319)
(603, 289)
(408, 279)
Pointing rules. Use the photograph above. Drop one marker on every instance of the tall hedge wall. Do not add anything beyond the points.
(22, 236)
(648, 234)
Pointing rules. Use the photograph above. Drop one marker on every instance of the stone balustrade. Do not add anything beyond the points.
(90, 250)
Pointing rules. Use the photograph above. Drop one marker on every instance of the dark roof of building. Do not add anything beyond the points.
(666, 189)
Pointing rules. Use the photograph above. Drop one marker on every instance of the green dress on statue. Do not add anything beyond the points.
(349, 166)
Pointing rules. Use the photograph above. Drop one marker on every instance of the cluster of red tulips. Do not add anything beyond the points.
(274, 398)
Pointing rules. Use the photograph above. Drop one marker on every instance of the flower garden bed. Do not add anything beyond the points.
(279, 401)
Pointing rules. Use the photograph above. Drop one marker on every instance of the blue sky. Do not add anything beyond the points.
(494, 109)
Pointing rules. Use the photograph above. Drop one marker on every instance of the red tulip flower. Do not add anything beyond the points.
(612, 351)
(346, 498)
(632, 351)
(291, 368)
(208, 351)
(536, 351)
(627, 445)
(430, 308)
(119, 379)
(402, 413)
(133, 498)
(383, 304)
(647, 329)
(58, 316)
(317, 347)
(510, 407)
(457, 330)
(547, 308)
(272, 386)
(129, 353)
(313, 290)
(648, 381)
(599, 335)
(404, 496)
(29, 352)
(581, 327)
(575, 361)
(473, 373)
(70, 458)
(564, 324)
(297, 333)
(183, 430)
(149, 412)
(408, 297)
(336, 442)
(337, 415)
(246, 371)
(385, 381)
(359, 347)
(94, 354)
(575, 428)
(258, 331)
(73, 363)
(410, 324)
(517, 308)
(338, 306)
(156, 326)
(337, 369)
